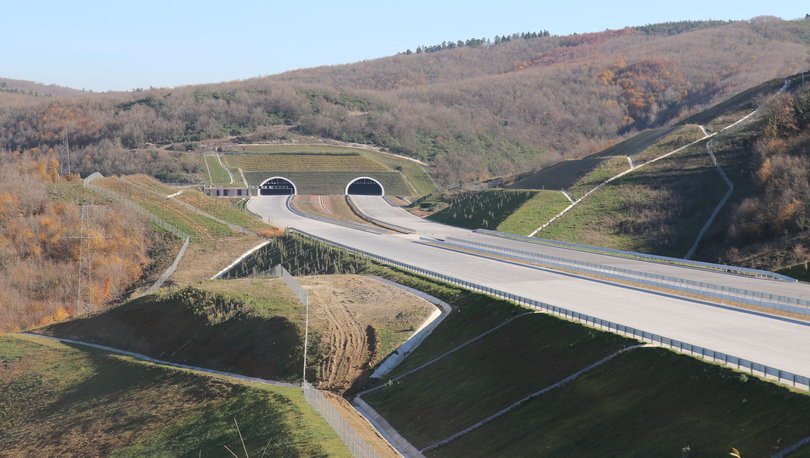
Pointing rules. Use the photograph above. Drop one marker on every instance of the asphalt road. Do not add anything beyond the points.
(779, 343)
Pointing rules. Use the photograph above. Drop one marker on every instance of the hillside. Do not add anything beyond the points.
(472, 112)
(661, 203)
(67, 400)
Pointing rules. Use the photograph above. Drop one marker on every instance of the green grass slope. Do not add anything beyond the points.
(62, 400)
(657, 209)
(247, 326)
(524, 356)
(534, 212)
(483, 209)
(647, 402)
(218, 174)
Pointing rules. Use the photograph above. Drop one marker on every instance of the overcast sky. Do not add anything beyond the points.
(116, 45)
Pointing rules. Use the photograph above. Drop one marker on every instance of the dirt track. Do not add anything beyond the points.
(358, 320)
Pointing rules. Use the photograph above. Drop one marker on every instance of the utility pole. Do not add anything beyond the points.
(65, 165)
(85, 262)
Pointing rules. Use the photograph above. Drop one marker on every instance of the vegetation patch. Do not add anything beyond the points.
(658, 209)
(63, 400)
(526, 355)
(483, 209)
(197, 226)
(679, 137)
(559, 176)
(647, 402)
(300, 255)
(304, 161)
(472, 314)
(217, 173)
(607, 168)
(226, 210)
(535, 212)
(204, 328)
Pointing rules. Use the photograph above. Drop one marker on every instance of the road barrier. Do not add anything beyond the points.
(377, 221)
(744, 271)
(767, 372)
(326, 219)
(710, 290)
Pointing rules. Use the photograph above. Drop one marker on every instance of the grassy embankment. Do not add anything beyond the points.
(61, 399)
(415, 173)
(399, 176)
(535, 212)
(483, 209)
(218, 174)
(646, 402)
(658, 209)
(252, 327)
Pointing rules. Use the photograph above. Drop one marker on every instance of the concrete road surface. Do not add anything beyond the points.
(782, 344)
(380, 209)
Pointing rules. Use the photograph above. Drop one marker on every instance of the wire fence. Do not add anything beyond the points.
(767, 372)
(156, 220)
(737, 295)
(326, 408)
(280, 272)
(357, 445)
(643, 256)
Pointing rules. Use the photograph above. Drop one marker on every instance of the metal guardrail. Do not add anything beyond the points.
(745, 271)
(763, 370)
(324, 219)
(738, 295)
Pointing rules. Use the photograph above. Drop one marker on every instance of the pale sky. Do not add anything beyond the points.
(120, 45)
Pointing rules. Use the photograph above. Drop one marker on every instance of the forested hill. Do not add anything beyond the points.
(473, 111)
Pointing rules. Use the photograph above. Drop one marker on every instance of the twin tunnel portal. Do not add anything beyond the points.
(360, 186)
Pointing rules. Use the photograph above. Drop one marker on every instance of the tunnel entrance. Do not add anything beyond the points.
(277, 186)
(365, 186)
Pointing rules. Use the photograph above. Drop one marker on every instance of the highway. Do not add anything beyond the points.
(380, 209)
(776, 342)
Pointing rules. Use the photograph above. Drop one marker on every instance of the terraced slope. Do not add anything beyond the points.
(333, 182)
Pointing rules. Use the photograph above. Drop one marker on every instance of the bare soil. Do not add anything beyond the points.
(329, 206)
(202, 261)
(358, 321)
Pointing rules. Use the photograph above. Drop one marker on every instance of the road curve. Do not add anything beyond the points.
(778, 343)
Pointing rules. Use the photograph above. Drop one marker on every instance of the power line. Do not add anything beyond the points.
(85, 263)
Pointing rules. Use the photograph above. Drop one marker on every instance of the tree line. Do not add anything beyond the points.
(476, 42)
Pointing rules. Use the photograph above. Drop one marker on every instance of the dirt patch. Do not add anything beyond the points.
(359, 321)
(361, 425)
(201, 261)
(329, 206)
